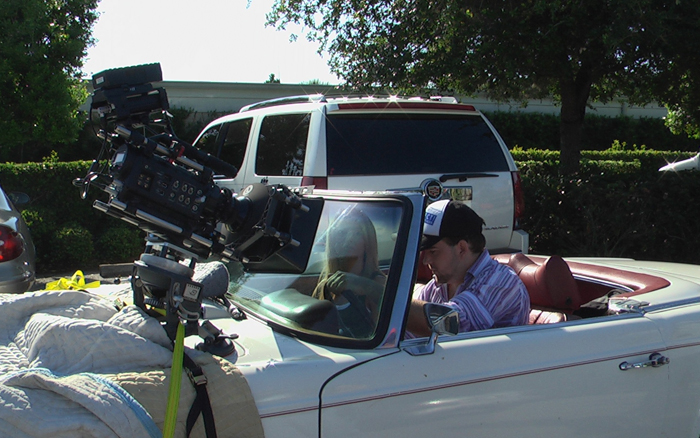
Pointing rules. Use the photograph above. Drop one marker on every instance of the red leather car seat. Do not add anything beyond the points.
(551, 285)
(424, 274)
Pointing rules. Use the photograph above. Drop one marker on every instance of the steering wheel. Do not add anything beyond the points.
(357, 305)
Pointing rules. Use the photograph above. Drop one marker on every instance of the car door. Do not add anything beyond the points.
(532, 381)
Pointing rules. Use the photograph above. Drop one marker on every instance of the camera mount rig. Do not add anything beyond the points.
(166, 187)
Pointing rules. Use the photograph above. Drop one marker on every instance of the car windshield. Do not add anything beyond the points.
(342, 293)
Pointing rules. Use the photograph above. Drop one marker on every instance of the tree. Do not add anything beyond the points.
(272, 79)
(577, 51)
(677, 78)
(42, 46)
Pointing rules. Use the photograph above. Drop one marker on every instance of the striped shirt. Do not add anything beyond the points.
(492, 295)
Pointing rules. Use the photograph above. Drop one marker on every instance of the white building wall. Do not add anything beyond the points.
(204, 97)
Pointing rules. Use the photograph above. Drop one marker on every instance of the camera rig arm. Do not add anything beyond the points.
(166, 187)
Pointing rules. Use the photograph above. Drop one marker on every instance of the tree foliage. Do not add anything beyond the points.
(677, 82)
(272, 79)
(575, 50)
(42, 46)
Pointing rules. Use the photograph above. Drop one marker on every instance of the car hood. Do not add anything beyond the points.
(285, 374)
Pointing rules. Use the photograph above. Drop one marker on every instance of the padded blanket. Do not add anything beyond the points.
(71, 365)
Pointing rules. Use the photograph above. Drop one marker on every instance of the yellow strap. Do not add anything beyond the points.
(175, 379)
(77, 282)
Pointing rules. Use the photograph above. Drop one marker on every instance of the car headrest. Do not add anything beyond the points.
(551, 285)
(518, 261)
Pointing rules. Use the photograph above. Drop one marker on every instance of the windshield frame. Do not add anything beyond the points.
(388, 325)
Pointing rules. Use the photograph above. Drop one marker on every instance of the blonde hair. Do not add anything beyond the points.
(352, 225)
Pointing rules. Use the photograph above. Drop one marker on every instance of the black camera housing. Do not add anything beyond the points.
(166, 187)
(128, 93)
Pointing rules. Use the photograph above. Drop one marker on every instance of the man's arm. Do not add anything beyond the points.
(417, 322)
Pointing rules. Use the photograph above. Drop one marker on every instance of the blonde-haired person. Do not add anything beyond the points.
(351, 278)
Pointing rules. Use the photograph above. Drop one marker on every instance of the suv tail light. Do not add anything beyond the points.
(11, 244)
(519, 210)
(316, 181)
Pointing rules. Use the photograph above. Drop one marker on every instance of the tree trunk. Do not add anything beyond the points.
(574, 98)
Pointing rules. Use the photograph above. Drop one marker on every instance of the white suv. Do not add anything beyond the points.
(438, 146)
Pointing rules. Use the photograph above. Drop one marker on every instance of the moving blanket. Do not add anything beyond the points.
(71, 365)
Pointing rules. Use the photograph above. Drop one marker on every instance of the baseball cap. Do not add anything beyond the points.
(449, 218)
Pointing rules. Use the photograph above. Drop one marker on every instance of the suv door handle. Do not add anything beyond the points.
(655, 360)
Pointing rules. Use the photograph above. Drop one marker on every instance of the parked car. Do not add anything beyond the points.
(17, 254)
(437, 146)
(613, 348)
(692, 163)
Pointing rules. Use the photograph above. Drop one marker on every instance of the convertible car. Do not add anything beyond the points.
(612, 348)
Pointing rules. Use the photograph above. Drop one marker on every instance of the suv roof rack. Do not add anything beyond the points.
(337, 96)
(309, 98)
(319, 98)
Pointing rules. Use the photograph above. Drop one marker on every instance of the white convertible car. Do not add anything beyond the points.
(613, 348)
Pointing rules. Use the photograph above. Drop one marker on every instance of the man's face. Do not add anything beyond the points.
(444, 260)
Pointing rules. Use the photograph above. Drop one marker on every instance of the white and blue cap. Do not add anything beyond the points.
(449, 218)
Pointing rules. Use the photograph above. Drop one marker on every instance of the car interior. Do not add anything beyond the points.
(565, 291)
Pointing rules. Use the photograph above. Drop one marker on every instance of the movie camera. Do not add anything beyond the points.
(167, 188)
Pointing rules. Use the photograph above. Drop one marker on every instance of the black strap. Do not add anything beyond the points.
(201, 404)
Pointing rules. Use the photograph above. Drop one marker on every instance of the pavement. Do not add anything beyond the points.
(106, 274)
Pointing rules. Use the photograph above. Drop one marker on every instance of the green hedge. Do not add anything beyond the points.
(617, 205)
(541, 131)
(67, 232)
(612, 209)
(650, 160)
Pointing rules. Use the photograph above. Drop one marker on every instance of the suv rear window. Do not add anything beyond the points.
(373, 144)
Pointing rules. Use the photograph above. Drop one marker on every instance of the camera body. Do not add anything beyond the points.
(166, 187)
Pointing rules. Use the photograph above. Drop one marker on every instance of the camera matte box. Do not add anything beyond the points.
(127, 76)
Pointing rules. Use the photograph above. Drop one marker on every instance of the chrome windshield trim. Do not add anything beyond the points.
(672, 304)
(404, 290)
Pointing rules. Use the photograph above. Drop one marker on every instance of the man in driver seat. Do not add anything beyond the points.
(485, 293)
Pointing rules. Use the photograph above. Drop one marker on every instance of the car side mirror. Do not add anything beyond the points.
(442, 320)
(18, 199)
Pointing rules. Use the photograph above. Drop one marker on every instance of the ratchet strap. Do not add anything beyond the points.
(77, 282)
(174, 388)
(201, 404)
